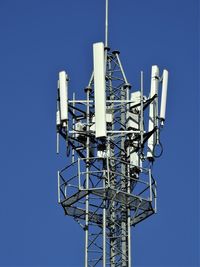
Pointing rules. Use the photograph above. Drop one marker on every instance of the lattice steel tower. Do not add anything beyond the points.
(110, 137)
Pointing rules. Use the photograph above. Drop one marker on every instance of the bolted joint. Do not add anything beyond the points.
(88, 88)
(115, 52)
(86, 228)
(106, 48)
(127, 86)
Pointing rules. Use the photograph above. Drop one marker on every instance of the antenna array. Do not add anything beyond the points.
(111, 137)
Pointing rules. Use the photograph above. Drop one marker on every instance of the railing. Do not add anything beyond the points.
(72, 178)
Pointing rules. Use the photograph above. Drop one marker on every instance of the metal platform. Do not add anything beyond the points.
(141, 207)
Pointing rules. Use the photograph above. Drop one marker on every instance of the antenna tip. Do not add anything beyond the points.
(106, 48)
(88, 88)
(127, 85)
(116, 52)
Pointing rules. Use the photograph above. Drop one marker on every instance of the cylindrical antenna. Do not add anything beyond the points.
(106, 25)
(164, 96)
(63, 91)
(153, 109)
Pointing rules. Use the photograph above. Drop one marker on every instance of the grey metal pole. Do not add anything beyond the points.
(141, 106)
(106, 25)
(90, 81)
(57, 142)
(106, 36)
(87, 182)
(128, 191)
(58, 176)
(122, 70)
(104, 228)
(123, 185)
(73, 123)
(113, 217)
(57, 134)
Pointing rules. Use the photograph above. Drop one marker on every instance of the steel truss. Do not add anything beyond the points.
(105, 188)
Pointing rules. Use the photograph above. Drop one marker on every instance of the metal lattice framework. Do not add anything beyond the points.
(106, 188)
(107, 194)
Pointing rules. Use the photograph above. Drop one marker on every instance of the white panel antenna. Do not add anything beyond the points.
(63, 90)
(153, 109)
(164, 96)
(99, 89)
(107, 134)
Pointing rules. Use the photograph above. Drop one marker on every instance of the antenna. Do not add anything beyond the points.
(106, 25)
(153, 109)
(164, 96)
(63, 86)
(99, 89)
(107, 185)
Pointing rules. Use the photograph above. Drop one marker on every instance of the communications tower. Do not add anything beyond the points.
(111, 138)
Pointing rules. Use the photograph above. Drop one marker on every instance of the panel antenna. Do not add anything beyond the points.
(111, 137)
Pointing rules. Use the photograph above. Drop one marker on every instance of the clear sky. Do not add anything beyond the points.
(38, 38)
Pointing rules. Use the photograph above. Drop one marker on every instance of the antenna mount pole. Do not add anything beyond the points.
(106, 25)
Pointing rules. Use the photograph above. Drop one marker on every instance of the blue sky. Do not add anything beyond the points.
(40, 38)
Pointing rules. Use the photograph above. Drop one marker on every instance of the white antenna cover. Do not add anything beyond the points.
(164, 95)
(63, 90)
(154, 80)
(99, 89)
(153, 108)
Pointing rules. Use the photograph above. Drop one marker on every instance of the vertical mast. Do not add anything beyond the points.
(105, 188)
(106, 25)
